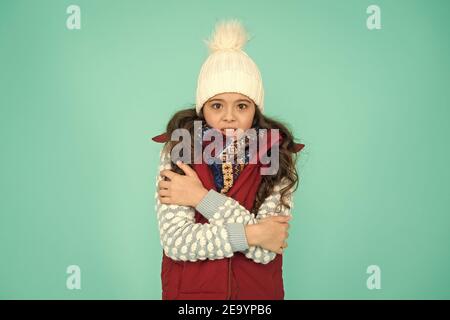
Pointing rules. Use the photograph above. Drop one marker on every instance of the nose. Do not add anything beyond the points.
(229, 115)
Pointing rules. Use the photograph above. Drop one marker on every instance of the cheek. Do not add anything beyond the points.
(211, 119)
(247, 120)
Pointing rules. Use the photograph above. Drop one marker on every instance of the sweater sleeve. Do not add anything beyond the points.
(217, 206)
(183, 239)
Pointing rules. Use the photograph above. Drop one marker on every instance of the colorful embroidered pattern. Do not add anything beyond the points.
(227, 172)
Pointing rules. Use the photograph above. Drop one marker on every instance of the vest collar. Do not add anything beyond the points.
(163, 138)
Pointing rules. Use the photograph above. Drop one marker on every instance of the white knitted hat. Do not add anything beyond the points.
(228, 68)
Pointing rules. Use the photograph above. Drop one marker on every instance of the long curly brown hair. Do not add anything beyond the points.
(288, 157)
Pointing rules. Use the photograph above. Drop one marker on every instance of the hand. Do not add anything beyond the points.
(270, 233)
(185, 190)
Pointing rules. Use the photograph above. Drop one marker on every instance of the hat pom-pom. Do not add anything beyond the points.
(228, 35)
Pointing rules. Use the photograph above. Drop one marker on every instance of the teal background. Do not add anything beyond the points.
(78, 109)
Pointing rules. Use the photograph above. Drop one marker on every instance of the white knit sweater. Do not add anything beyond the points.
(183, 239)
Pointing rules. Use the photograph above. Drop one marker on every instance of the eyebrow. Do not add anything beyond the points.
(216, 99)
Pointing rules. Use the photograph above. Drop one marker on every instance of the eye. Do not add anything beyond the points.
(242, 106)
(216, 106)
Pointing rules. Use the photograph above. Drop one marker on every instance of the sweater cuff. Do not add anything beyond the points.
(209, 204)
(236, 236)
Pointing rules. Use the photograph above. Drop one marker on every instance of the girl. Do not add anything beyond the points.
(223, 225)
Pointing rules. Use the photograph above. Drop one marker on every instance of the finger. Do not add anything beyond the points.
(163, 184)
(282, 219)
(186, 169)
(164, 193)
(165, 200)
(168, 173)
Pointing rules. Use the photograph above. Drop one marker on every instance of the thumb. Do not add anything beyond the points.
(186, 169)
(282, 218)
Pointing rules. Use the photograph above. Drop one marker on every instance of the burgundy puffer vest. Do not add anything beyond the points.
(235, 278)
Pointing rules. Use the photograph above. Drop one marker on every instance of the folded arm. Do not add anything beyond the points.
(219, 207)
(183, 239)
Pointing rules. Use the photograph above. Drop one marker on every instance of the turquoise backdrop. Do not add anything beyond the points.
(78, 109)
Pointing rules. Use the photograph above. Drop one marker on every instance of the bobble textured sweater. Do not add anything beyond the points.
(183, 239)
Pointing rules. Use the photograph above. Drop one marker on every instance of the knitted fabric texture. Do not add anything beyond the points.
(231, 160)
(228, 68)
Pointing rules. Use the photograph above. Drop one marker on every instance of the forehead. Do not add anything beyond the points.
(230, 96)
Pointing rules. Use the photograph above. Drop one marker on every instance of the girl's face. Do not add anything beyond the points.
(229, 111)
